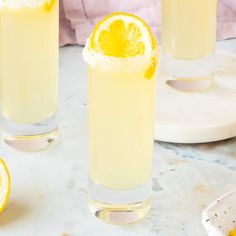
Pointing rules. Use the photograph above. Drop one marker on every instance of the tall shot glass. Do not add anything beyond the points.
(188, 40)
(29, 44)
(121, 98)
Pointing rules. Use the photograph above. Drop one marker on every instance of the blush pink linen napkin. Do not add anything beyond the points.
(78, 17)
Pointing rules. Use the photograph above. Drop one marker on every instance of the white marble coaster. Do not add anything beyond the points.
(199, 117)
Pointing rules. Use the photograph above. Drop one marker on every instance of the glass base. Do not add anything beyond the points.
(119, 206)
(30, 143)
(189, 75)
(29, 137)
(120, 214)
(191, 84)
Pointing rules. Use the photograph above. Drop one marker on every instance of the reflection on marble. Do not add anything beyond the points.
(49, 188)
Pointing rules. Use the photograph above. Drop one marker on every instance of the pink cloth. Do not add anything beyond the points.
(78, 17)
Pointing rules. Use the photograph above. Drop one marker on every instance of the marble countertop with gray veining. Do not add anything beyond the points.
(49, 188)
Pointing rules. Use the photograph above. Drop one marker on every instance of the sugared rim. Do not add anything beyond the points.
(93, 58)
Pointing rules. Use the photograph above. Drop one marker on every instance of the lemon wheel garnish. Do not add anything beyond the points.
(124, 35)
(5, 185)
(48, 5)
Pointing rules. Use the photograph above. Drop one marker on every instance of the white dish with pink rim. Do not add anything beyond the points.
(219, 218)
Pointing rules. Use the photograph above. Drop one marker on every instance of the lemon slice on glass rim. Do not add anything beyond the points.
(123, 35)
(5, 185)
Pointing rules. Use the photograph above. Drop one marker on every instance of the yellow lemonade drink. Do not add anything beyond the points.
(121, 76)
(121, 114)
(189, 28)
(29, 44)
(189, 37)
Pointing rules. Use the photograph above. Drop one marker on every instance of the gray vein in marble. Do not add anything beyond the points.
(222, 153)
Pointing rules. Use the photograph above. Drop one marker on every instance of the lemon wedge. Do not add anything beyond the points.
(5, 185)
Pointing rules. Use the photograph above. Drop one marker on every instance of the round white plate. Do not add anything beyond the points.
(201, 116)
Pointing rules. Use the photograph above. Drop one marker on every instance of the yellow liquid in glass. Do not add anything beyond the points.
(189, 27)
(29, 44)
(121, 118)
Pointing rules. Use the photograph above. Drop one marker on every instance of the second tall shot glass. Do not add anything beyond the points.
(122, 59)
(29, 47)
(189, 40)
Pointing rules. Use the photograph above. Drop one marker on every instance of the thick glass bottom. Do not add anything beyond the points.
(30, 143)
(29, 137)
(119, 206)
(189, 75)
(191, 84)
(120, 214)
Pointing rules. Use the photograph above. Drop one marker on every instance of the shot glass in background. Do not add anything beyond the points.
(122, 57)
(189, 41)
(29, 44)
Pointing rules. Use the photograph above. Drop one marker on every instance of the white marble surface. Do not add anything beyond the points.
(49, 188)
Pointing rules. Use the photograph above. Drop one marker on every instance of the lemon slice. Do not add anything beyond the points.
(48, 5)
(122, 35)
(125, 35)
(5, 185)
